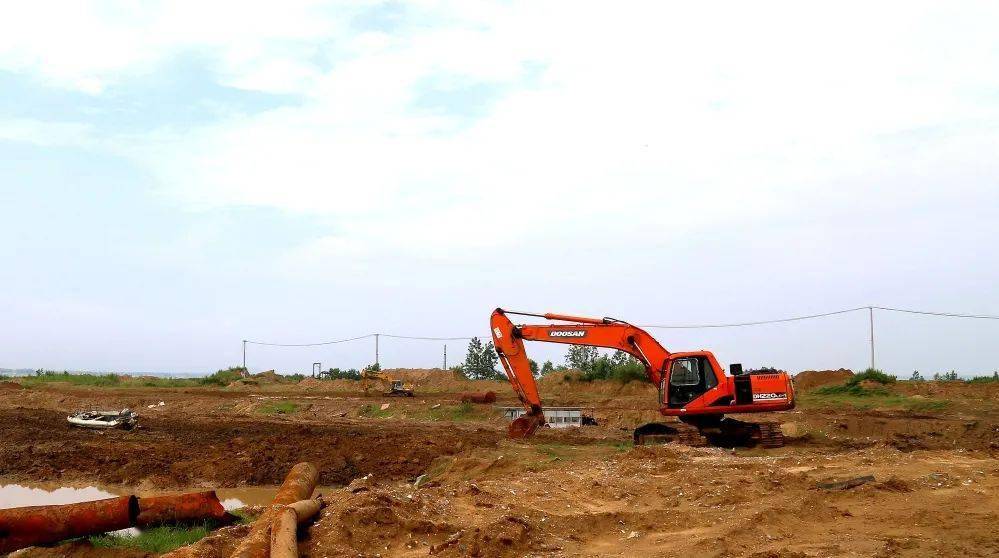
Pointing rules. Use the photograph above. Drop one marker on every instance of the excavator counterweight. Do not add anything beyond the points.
(692, 385)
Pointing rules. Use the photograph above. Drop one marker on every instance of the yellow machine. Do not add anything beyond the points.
(396, 388)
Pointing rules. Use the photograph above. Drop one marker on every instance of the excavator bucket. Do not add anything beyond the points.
(526, 426)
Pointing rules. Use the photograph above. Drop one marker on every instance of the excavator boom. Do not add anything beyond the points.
(606, 332)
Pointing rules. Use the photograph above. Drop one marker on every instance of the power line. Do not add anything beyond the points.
(425, 338)
(945, 314)
(310, 344)
(742, 324)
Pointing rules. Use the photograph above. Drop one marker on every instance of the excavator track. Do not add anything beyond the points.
(691, 436)
(658, 433)
(726, 433)
(771, 435)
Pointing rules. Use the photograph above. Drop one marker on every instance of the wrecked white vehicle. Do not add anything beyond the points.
(125, 419)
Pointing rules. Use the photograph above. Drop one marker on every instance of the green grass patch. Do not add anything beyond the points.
(456, 413)
(371, 411)
(556, 451)
(157, 539)
(97, 380)
(278, 408)
(242, 517)
(169, 382)
(850, 390)
(617, 446)
(220, 378)
(860, 397)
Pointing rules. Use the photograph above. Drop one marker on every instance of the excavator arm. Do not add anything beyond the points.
(600, 332)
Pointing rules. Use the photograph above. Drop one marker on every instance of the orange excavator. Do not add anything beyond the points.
(692, 385)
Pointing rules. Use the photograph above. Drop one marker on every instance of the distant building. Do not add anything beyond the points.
(556, 417)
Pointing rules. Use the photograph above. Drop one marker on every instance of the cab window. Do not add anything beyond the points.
(689, 378)
(685, 372)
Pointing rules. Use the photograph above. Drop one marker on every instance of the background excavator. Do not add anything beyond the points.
(692, 385)
(396, 388)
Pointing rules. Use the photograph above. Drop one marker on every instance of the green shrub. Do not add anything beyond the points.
(620, 367)
(984, 379)
(337, 374)
(872, 375)
(225, 377)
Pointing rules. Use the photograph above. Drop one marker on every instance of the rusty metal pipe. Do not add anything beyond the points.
(33, 525)
(181, 508)
(479, 397)
(298, 485)
(306, 509)
(284, 534)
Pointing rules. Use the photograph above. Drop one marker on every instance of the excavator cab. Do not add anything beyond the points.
(686, 378)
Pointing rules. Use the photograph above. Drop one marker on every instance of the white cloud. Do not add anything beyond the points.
(652, 119)
(36, 132)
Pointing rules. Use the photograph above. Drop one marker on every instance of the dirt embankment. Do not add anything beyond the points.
(39, 445)
(811, 379)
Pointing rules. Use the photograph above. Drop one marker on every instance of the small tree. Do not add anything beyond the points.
(534, 367)
(490, 359)
(481, 361)
(916, 376)
(950, 376)
(547, 368)
(472, 357)
(581, 357)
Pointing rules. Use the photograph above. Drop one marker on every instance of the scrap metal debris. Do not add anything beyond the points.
(845, 484)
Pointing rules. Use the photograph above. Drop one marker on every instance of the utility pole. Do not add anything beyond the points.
(376, 351)
(870, 310)
(244, 354)
(445, 356)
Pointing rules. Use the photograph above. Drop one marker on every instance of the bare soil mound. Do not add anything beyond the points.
(811, 379)
(10, 385)
(266, 378)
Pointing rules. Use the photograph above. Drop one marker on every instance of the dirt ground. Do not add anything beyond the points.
(579, 492)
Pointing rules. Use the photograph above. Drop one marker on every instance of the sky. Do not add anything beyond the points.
(176, 177)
